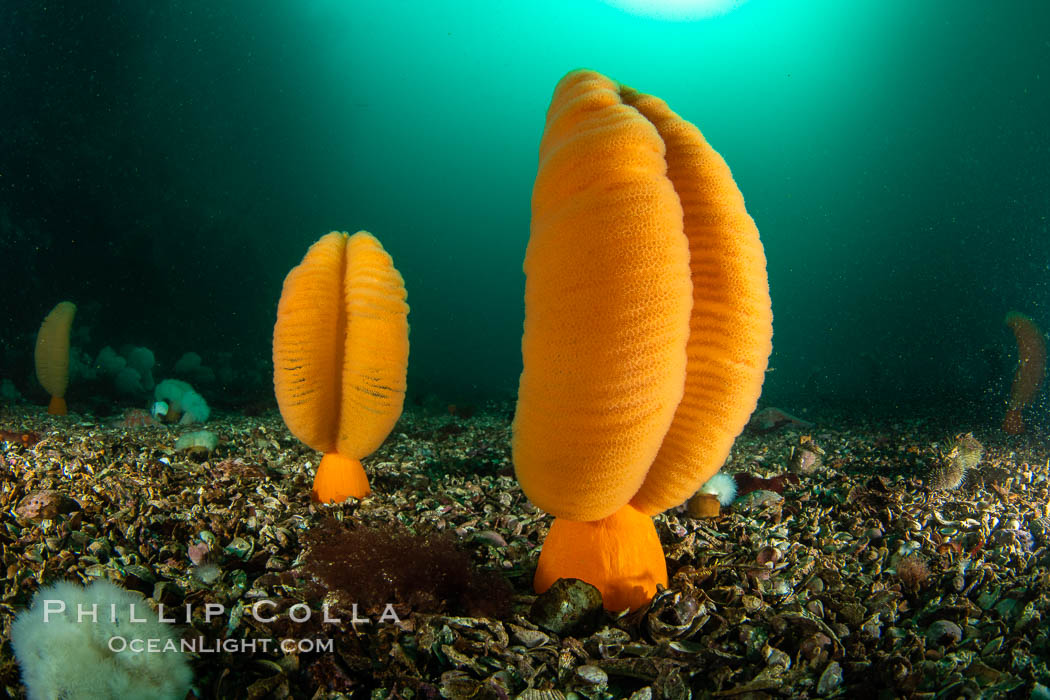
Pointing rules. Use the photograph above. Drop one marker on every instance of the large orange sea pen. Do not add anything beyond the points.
(340, 357)
(647, 331)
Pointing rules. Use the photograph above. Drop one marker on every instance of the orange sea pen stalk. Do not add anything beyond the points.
(340, 357)
(647, 331)
(1031, 367)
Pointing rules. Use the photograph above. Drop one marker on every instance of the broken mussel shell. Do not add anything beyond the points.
(675, 615)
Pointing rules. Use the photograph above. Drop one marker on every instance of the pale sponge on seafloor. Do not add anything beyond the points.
(66, 652)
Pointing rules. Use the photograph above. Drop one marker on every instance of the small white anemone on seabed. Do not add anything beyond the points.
(722, 486)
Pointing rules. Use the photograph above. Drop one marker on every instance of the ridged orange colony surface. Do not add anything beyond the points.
(52, 354)
(340, 356)
(647, 331)
(1031, 368)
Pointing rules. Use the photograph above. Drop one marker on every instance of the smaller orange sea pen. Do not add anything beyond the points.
(52, 355)
(1031, 367)
(340, 357)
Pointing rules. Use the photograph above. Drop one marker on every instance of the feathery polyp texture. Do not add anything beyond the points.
(340, 348)
(647, 329)
(375, 357)
(648, 323)
(1031, 368)
(607, 298)
(619, 555)
(731, 324)
(52, 354)
(308, 343)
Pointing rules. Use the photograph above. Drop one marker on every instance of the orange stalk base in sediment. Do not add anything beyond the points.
(338, 478)
(620, 555)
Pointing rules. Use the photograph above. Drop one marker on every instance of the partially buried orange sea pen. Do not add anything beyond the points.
(647, 331)
(340, 357)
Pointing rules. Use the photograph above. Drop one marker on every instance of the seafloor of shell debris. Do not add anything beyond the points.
(865, 577)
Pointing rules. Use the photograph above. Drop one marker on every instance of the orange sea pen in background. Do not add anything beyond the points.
(340, 357)
(647, 331)
(1031, 367)
(52, 354)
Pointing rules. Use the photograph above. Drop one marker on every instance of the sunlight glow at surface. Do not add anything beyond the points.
(678, 10)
